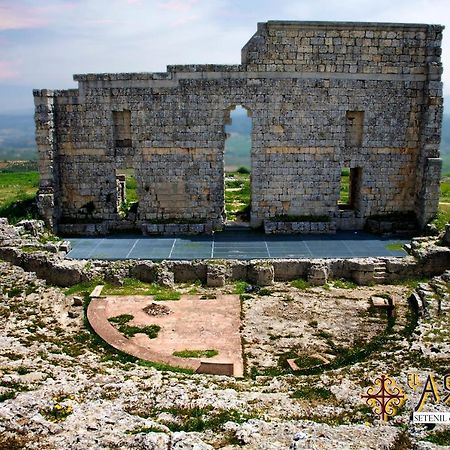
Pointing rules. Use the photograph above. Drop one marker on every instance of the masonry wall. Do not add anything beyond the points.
(299, 80)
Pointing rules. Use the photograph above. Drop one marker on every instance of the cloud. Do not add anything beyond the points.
(16, 17)
(8, 70)
(178, 5)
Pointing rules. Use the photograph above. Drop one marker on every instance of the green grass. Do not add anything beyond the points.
(130, 286)
(150, 429)
(313, 393)
(237, 196)
(131, 203)
(196, 419)
(196, 353)
(131, 186)
(301, 284)
(344, 194)
(240, 287)
(439, 437)
(445, 190)
(131, 330)
(443, 216)
(17, 195)
(394, 246)
(343, 284)
(306, 361)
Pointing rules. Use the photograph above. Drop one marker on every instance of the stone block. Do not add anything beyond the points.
(215, 276)
(261, 273)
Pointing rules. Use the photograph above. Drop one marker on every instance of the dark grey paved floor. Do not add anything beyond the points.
(234, 245)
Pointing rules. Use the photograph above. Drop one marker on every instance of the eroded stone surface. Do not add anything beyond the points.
(49, 359)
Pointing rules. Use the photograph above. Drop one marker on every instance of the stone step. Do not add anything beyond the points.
(237, 227)
(97, 291)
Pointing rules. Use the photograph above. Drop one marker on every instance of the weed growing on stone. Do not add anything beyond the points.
(150, 429)
(197, 419)
(306, 361)
(23, 370)
(60, 409)
(240, 287)
(265, 292)
(57, 413)
(130, 286)
(439, 437)
(7, 395)
(343, 284)
(301, 284)
(313, 393)
(110, 354)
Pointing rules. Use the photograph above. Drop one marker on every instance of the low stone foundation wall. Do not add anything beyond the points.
(83, 229)
(299, 227)
(176, 228)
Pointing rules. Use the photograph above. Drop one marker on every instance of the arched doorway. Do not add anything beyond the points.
(237, 163)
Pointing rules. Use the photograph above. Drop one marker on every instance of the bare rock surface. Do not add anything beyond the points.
(62, 388)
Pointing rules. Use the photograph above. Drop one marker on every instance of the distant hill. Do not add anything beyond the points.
(17, 137)
(238, 143)
(445, 144)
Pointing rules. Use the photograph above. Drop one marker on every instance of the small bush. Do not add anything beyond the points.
(240, 287)
(243, 170)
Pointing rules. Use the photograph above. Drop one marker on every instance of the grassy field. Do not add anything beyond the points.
(237, 196)
(17, 193)
(443, 215)
(345, 185)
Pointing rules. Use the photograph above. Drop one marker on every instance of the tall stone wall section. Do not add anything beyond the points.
(300, 81)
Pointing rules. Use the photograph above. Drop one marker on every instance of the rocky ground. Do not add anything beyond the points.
(61, 387)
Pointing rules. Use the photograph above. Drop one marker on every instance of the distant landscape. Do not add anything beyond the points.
(17, 139)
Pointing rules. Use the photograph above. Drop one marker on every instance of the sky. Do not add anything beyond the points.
(44, 42)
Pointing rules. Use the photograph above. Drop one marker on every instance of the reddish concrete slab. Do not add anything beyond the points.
(191, 324)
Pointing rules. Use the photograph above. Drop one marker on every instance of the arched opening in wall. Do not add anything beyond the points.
(237, 161)
(127, 198)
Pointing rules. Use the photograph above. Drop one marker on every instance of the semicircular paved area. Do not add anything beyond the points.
(192, 324)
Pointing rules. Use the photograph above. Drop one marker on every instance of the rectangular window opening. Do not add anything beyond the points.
(127, 199)
(122, 128)
(350, 187)
(354, 128)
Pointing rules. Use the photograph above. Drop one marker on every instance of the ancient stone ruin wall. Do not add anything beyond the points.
(322, 97)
